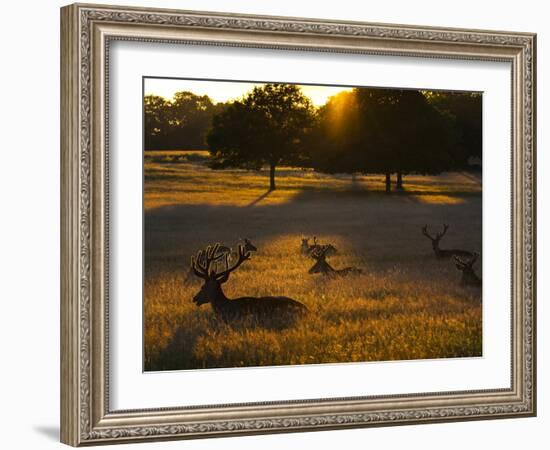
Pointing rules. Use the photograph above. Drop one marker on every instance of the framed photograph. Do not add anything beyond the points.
(275, 224)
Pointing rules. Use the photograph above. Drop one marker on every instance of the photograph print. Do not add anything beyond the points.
(289, 224)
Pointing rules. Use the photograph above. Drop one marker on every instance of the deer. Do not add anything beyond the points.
(248, 245)
(307, 249)
(447, 253)
(204, 266)
(469, 277)
(322, 266)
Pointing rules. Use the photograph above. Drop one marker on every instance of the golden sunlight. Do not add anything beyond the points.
(223, 91)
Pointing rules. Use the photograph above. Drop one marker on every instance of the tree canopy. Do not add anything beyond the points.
(382, 131)
(267, 127)
(365, 130)
(180, 123)
(464, 109)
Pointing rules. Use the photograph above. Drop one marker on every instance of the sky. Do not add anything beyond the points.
(221, 91)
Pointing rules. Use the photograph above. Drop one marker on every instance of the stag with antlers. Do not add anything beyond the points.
(469, 277)
(307, 249)
(204, 265)
(447, 253)
(322, 266)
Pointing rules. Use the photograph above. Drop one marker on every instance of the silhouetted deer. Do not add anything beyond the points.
(469, 277)
(440, 253)
(307, 249)
(322, 266)
(204, 266)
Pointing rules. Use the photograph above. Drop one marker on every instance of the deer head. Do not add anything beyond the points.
(469, 277)
(466, 266)
(249, 246)
(435, 239)
(204, 265)
(319, 254)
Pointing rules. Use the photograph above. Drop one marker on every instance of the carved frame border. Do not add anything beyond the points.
(86, 31)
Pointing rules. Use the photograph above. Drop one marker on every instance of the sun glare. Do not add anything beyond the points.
(223, 91)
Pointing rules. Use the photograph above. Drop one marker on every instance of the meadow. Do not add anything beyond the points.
(405, 305)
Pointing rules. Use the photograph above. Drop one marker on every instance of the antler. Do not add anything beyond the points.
(425, 232)
(241, 257)
(464, 264)
(319, 252)
(441, 234)
(201, 262)
(461, 264)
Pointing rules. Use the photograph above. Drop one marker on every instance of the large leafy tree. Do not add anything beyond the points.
(465, 110)
(383, 131)
(265, 128)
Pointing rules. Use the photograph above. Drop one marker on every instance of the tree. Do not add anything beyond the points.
(190, 119)
(383, 131)
(267, 127)
(181, 123)
(156, 118)
(465, 110)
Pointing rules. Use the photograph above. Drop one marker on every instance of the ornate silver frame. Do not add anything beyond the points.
(86, 31)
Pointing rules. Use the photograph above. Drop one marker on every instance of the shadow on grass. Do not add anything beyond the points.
(259, 199)
(179, 353)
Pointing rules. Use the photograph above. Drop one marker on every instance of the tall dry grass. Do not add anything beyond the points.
(405, 305)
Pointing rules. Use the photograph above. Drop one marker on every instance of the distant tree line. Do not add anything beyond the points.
(366, 130)
(180, 123)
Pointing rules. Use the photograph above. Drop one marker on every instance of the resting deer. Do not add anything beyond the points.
(440, 253)
(322, 266)
(204, 266)
(469, 277)
(307, 249)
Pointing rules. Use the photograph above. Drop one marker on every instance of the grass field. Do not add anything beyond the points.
(405, 305)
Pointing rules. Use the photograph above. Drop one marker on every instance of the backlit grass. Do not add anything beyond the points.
(405, 305)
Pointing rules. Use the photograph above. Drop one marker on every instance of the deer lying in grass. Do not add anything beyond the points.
(440, 253)
(260, 308)
(322, 266)
(469, 277)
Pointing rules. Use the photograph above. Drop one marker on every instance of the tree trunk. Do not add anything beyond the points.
(388, 182)
(354, 181)
(399, 181)
(272, 177)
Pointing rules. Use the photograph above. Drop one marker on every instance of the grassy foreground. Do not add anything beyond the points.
(405, 305)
